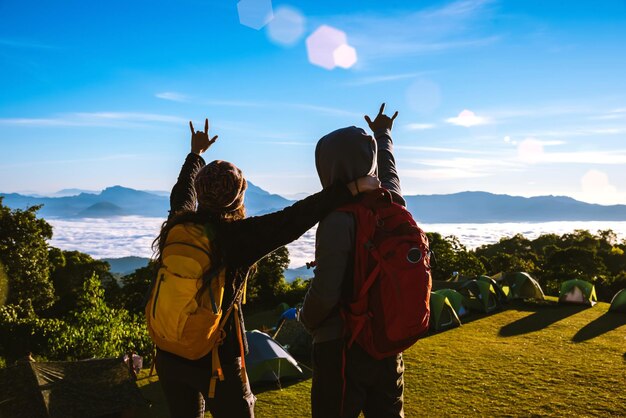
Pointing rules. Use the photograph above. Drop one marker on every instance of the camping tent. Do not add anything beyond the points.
(618, 303)
(296, 339)
(520, 285)
(267, 360)
(442, 314)
(578, 291)
(480, 296)
(68, 389)
(501, 297)
(456, 300)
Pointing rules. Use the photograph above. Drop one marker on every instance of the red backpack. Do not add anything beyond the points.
(389, 307)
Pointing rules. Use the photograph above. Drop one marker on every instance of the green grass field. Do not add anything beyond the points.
(528, 360)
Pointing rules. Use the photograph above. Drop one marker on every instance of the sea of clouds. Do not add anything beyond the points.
(133, 235)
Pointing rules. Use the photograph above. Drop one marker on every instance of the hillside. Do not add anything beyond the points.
(465, 207)
(482, 207)
(123, 201)
(529, 360)
(126, 265)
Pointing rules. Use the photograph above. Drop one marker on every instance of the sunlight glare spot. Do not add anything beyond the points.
(255, 13)
(596, 182)
(530, 150)
(345, 56)
(322, 44)
(287, 27)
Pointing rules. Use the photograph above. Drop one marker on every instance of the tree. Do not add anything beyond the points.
(451, 256)
(71, 270)
(267, 283)
(574, 263)
(135, 286)
(24, 253)
(4, 285)
(96, 330)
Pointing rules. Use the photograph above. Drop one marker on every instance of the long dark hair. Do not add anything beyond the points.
(190, 216)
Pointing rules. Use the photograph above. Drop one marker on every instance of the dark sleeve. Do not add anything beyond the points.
(387, 172)
(183, 196)
(248, 240)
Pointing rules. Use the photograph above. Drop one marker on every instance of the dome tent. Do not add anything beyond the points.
(442, 314)
(456, 300)
(267, 360)
(578, 291)
(520, 285)
(499, 293)
(480, 296)
(618, 303)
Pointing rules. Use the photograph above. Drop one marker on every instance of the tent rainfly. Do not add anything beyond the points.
(579, 292)
(442, 314)
(456, 300)
(618, 303)
(521, 285)
(480, 296)
(267, 360)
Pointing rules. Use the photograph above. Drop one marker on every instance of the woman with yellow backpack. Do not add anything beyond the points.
(206, 250)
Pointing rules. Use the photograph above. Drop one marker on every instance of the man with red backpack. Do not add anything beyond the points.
(370, 258)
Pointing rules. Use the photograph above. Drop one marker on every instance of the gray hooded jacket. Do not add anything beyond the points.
(343, 155)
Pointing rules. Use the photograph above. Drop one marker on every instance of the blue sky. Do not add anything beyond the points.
(519, 97)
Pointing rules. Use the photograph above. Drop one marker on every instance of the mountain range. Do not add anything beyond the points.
(464, 207)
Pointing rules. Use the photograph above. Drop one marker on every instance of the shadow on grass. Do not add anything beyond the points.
(545, 314)
(284, 383)
(599, 326)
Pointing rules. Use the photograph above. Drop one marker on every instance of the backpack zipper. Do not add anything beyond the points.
(156, 295)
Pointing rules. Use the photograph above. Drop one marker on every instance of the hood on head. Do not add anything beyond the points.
(345, 155)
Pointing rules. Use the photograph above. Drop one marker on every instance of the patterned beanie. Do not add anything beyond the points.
(220, 187)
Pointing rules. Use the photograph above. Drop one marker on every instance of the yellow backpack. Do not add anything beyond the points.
(184, 312)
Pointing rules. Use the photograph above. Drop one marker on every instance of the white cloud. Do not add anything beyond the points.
(382, 79)
(458, 168)
(440, 174)
(173, 96)
(418, 126)
(426, 31)
(444, 150)
(101, 119)
(467, 118)
(107, 238)
(585, 157)
(119, 237)
(613, 114)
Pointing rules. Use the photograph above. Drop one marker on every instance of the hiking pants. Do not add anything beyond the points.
(373, 386)
(186, 390)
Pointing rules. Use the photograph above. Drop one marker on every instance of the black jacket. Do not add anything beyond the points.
(244, 242)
